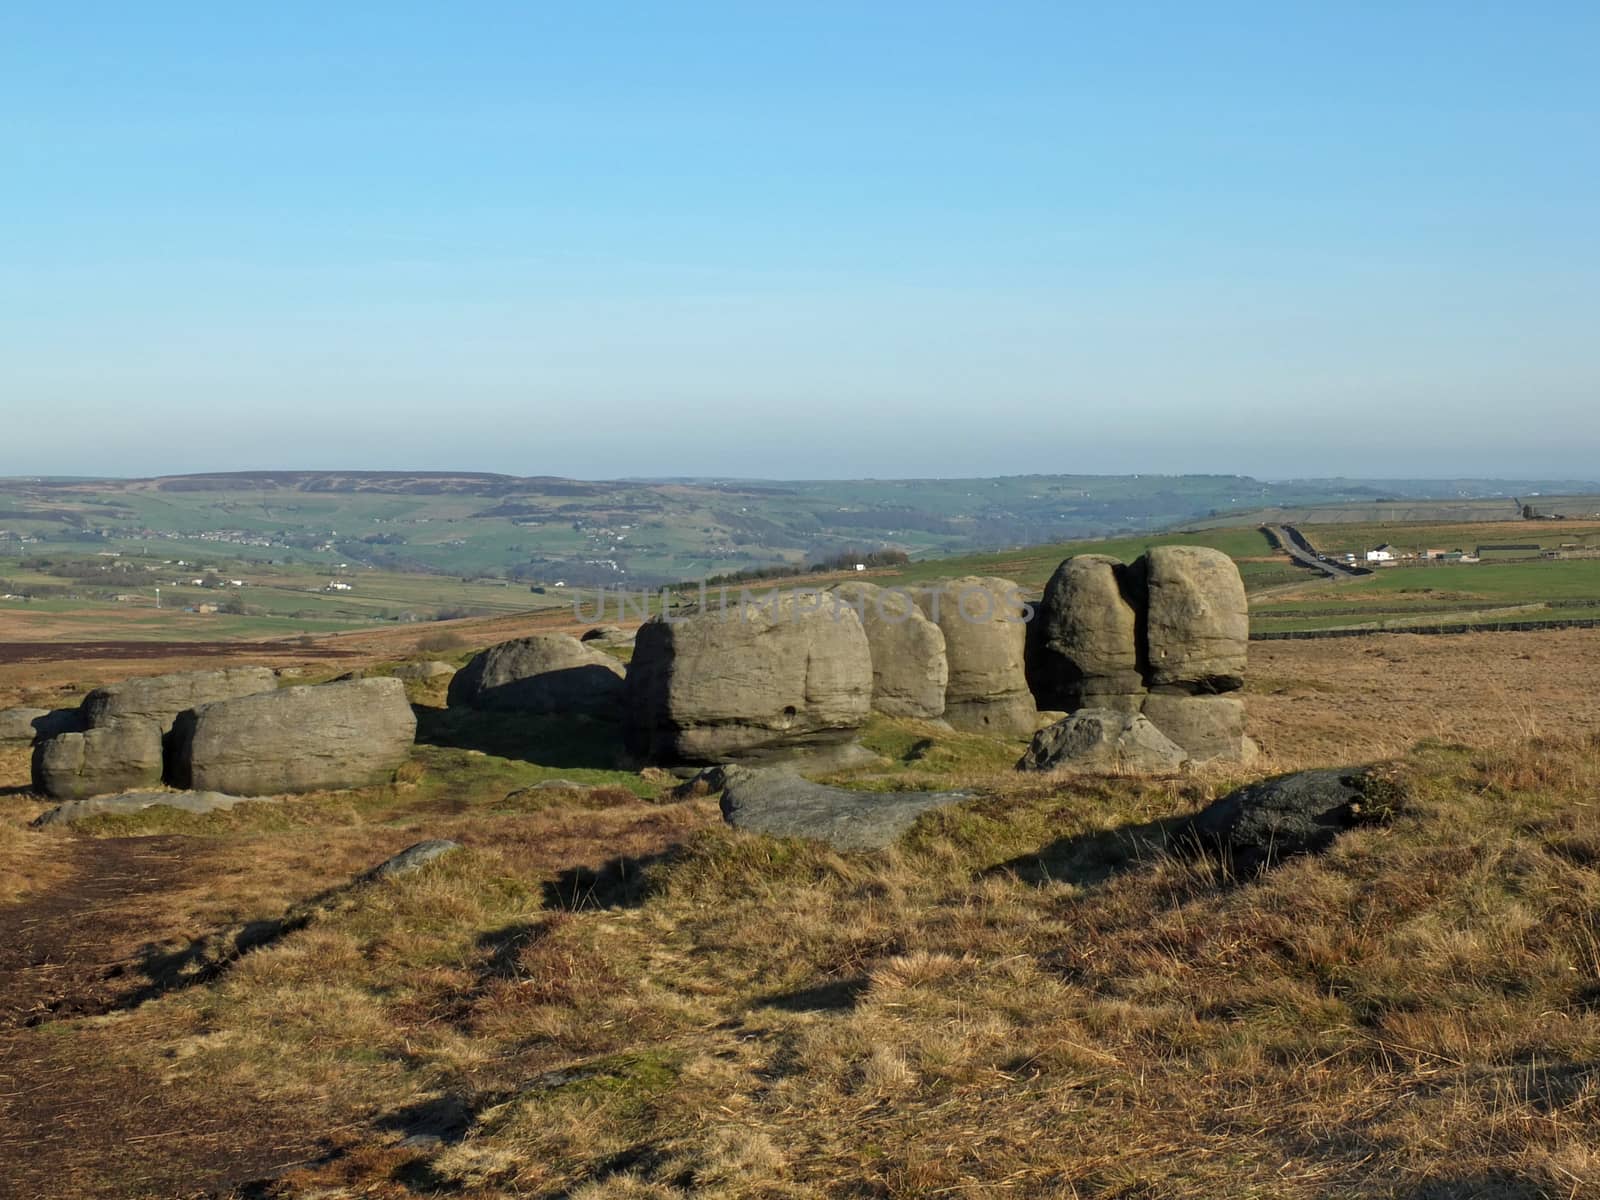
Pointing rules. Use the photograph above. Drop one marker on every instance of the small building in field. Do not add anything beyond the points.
(1383, 554)
(1510, 550)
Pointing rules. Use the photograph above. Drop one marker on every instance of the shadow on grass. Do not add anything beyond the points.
(833, 996)
(546, 740)
(1087, 859)
(621, 883)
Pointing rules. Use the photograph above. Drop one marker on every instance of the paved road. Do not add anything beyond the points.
(1294, 544)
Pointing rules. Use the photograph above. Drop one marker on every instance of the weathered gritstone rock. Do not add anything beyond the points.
(1083, 647)
(1293, 814)
(1197, 625)
(1209, 728)
(761, 683)
(131, 802)
(300, 739)
(783, 805)
(549, 673)
(909, 668)
(985, 638)
(1100, 741)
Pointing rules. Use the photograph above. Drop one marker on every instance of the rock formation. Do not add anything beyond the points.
(765, 681)
(300, 739)
(1166, 636)
(124, 726)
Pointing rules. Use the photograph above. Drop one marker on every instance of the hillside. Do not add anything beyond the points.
(544, 529)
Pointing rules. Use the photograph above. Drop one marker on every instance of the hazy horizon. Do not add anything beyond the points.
(831, 242)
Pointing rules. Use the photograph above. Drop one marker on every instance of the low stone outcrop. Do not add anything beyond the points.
(132, 802)
(549, 673)
(909, 668)
(1302, 813)
(784, 805)
(761, 682)
(410, 860)
(1101, 741)
(300, 739)
(985, 639)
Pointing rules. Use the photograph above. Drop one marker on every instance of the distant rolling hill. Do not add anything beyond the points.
(544, 528)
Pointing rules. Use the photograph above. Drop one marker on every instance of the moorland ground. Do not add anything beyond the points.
(610, 994)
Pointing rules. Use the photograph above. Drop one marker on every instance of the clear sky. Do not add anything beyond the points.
(801, 239)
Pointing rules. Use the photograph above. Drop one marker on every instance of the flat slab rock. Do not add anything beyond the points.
(130, 802)
(784, 805)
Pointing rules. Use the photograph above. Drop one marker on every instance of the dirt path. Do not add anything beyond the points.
(71, 1121)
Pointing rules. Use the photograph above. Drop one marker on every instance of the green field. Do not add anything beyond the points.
(609, 532)
(1454, 594)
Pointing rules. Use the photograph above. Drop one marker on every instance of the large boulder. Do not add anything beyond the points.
(300, 739)
(25, 726)
(1083, 646)
(780, 679)
(985, 639)
(120, 746)
(1197, 623)
(783, 805)
(1208, 727)
(1301, 813)
(549, 673)
(909, 668)
(1101, 741)
(115, 757)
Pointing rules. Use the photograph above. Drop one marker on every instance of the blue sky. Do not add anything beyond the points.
(801, 240)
